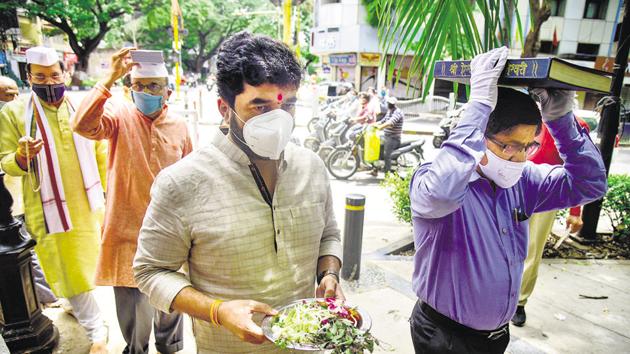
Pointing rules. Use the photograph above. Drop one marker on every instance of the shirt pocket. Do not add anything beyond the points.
(307, 224)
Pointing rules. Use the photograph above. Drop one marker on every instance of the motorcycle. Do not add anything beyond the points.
(345, 160)
(446, 125)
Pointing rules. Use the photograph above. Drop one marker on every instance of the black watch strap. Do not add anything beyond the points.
(321, 275)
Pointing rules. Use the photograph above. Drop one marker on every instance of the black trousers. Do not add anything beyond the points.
(389, 145)
(430, 336)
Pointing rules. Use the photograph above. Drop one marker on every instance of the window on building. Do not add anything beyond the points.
(588, 49)
(557, 7)
(324, 2)
(546, 47)
(595, 9)
(333, 29)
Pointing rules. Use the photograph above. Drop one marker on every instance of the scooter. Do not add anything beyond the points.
(338, 136)
(328, 132)
(319, 132)
(446, 125)
(345, 160)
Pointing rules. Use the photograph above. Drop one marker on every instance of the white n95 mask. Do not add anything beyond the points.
(502, 172)
(268, 134)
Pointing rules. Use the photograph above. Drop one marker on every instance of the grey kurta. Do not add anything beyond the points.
(207, 212)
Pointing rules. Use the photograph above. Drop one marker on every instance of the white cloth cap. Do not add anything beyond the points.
(146, 70)
(392, 100)
(43, 56)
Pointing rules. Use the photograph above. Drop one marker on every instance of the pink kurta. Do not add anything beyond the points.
(139, 148)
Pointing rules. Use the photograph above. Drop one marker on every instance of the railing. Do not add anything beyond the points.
(431, 104)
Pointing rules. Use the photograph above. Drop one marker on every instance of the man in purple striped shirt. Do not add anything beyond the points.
(472, 203)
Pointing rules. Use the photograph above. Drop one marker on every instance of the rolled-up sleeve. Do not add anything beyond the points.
(163, 247)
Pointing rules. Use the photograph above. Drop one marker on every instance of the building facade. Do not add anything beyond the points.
(584, 32)
(349, 50)
(581, 31)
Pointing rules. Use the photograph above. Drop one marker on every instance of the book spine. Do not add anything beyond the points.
(514, 69)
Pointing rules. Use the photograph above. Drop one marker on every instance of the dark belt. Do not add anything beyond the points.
(458, 327)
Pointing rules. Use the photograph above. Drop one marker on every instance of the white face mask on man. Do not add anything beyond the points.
(502, 172)
(267, 134)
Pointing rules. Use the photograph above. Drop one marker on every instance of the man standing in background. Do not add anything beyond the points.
(8, 90)
(144, 137)
(62, 185)
(540, 224)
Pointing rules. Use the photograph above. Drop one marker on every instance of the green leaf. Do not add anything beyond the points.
(431, 30)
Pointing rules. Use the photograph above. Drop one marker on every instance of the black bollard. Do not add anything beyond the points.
(23, 326)
(353, 236)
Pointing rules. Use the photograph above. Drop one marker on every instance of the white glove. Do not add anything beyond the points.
(554, 103)
(485, 70)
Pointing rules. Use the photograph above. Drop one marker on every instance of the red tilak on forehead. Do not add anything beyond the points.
(280, 97)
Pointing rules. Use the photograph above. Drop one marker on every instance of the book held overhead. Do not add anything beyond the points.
(533, 72)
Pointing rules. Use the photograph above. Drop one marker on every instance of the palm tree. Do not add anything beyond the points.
(431, 30)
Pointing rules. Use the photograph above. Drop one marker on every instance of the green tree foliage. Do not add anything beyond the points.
(207, 24)
(616, 205)
(372, 11)
(428, 28)
(85, 22)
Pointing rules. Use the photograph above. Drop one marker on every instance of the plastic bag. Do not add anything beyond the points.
(372, 145)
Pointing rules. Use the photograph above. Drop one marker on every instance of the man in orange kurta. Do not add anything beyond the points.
(143, 139)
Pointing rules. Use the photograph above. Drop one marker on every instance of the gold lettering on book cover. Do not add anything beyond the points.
(465, 69)
(517, 69)
(453, 69)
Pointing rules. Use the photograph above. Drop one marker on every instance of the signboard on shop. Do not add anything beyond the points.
(369, 59)
(607, 63)
(343, 59)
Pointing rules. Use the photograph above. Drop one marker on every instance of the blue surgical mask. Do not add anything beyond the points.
(146, 103)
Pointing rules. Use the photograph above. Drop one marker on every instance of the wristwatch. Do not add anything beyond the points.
(321, 275)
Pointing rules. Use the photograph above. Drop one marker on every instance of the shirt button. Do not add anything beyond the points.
(504, 230)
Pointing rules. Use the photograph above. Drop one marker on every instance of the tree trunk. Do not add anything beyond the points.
(540, 13)
(508, 15)
(83, 63)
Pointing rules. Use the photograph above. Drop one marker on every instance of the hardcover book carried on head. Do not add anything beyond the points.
(533, 72)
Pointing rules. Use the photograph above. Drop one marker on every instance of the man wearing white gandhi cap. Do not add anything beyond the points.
(67, 173)
(144, 138)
